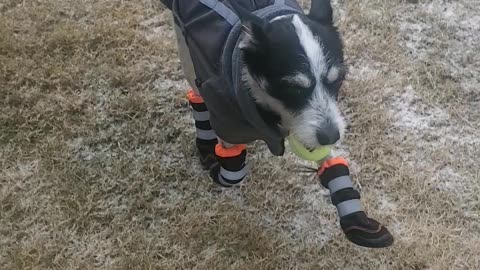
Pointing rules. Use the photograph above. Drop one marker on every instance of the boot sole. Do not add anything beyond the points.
(381, 242)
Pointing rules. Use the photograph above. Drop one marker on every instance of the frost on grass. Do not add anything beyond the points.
(363, 70)
(451, 180)
(412, 114)
(109, 180)
(430, 128)
(22, 171)
(446, 33)
(315, 222)
(428, 122)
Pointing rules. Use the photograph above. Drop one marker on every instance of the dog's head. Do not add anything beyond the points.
(294, 68)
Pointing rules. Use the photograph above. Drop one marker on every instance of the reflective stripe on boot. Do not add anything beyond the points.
(232, 168)
(206, 136)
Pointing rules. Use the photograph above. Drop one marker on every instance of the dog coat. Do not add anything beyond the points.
(212, 31)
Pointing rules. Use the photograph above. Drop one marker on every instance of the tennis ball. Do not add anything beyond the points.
(315, 155)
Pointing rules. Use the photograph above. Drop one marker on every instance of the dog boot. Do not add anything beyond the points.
(206, 152)
(206, 137)
(231, 168)
(357, 226)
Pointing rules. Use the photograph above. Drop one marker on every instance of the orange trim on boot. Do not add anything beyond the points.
(330, 163)
(233, 151)
(193, 97)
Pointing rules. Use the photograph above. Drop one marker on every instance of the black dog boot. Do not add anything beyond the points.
(206, 151)
(206, 137)
(357, 226)
(231, 168)
(365, 231)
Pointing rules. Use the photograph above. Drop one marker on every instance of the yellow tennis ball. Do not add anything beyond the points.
(300, 150)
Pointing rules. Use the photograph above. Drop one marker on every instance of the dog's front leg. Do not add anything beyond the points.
(232, 167)
(357, 226)
(226, 162)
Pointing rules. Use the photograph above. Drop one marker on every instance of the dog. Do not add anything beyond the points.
(264, 70)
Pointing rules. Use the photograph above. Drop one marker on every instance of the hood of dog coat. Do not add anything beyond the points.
(273, 137)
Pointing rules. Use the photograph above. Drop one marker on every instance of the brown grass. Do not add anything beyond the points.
(98, 169)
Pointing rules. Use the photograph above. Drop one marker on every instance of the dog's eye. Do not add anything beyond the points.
(293, 95)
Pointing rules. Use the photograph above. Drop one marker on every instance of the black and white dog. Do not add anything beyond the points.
(294, 67)
(261, 70)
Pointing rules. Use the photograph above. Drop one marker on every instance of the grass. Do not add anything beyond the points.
(98, 168)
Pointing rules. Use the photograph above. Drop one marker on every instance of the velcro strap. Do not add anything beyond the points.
(340, 183)
(349, 207)
(234, 176)
(199, 107)
(233, 151)
(344, 195)
(201, 116)
(206, 134)
(193, 97)
(330, 163)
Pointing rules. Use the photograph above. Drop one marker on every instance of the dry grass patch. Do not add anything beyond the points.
(98, 168)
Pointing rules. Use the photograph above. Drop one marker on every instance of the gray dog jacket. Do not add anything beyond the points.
(212, 32)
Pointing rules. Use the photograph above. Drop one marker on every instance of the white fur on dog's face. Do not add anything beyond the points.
(303, 86)
(322, 110)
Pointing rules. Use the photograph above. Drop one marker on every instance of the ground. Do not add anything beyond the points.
(98, 169)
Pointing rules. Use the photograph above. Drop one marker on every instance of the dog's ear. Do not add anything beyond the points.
(254, 28)
(321, 11)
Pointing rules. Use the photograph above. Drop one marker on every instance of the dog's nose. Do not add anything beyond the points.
(328, 136)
